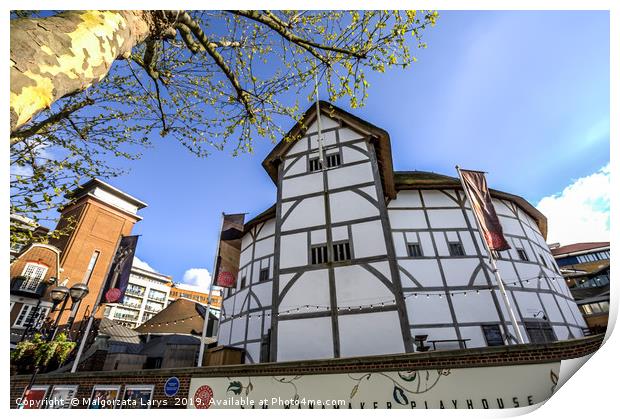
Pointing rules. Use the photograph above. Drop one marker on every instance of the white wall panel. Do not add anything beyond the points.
(310, 212)
(458, 271)
(326, 123)
(269, 228)
(355, 329)
(238, 330)
(355, 285)
(253, 349)
(347, 205)
(300, 146)
(311, 288)
(406, 199)
(401, 219)
(423, 310)
(293, 250)
(224, 333)
(301, 185)
(347, 134)
(349, 175)
(350, 155)
(368, 239)
(264, 247)
(254, 324)
(425, 271)
(263, 293)
(474, 307)
(305, 339)
(475, 334)
(446, 218)
(437, 199)
(294, 166)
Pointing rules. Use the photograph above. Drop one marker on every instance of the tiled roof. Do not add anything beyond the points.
(578, 247)
(182, 316)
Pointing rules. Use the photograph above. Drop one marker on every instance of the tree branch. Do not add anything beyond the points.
(185, 19)
(22, 134)
(274, 23)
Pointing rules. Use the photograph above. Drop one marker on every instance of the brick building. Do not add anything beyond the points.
(97, 215)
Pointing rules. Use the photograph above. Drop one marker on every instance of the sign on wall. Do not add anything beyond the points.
(465, 388)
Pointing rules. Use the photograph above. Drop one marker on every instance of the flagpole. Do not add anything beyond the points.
(213, 278)
(91, 318)
(318, 121)
(498, 278)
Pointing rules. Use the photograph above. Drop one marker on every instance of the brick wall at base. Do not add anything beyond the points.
(466, 358)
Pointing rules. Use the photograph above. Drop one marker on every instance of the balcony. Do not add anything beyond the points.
(27, 287)
(136, 292)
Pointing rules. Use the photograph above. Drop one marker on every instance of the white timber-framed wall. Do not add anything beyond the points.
(305, 310)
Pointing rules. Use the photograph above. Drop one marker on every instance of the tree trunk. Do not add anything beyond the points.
(64, 54)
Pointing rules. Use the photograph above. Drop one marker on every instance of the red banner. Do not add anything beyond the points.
(484, 211)
(229, 251)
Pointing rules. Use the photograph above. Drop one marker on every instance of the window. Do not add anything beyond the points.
(493, 335)
(314, 164)
(242, 282)
(414, 250)
(263, 275)
(456, 249)
(522, 255)
(91, 266)
(342, 251)
(34, 274)
(333, 160)
(540, 332)
(319, 254)
(31, 316)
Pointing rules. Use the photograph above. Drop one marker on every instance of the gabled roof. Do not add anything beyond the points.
(578, 248)
(182, 316)
(430, 180)
(379, 136)
(392, 181)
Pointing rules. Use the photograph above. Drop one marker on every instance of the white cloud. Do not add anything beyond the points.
(139, 263)
(197, 279)
(580, 213)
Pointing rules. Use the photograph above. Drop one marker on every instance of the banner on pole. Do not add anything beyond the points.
(118, 277)
(484, 211)
(229, 250)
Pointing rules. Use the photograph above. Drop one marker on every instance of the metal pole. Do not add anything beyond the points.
(213, 278)
(318, 122)
(498, 278)
(91, 318)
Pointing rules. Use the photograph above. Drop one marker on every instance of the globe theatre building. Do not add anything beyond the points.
(358, 259)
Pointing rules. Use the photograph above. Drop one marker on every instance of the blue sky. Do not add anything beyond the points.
(521, 95)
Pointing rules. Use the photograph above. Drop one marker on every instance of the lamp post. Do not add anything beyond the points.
(58, 295)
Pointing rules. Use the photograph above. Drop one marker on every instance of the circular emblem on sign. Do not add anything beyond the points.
(113, 295)
(202, 397)
(171, 387)
(226, 279)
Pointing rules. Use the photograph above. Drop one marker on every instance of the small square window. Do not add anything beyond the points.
(522, 255)
(242, 282)
(414, 250)
(264, 275)
(342, 251)
(319, 254)
(456, 249)
(333, 160)
(314, 164)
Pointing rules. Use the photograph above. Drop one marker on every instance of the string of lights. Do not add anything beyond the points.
(414, 294)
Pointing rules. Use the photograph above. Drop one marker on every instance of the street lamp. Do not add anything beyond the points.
(59, 295)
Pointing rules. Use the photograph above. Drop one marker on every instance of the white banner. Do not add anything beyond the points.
(464, 388)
